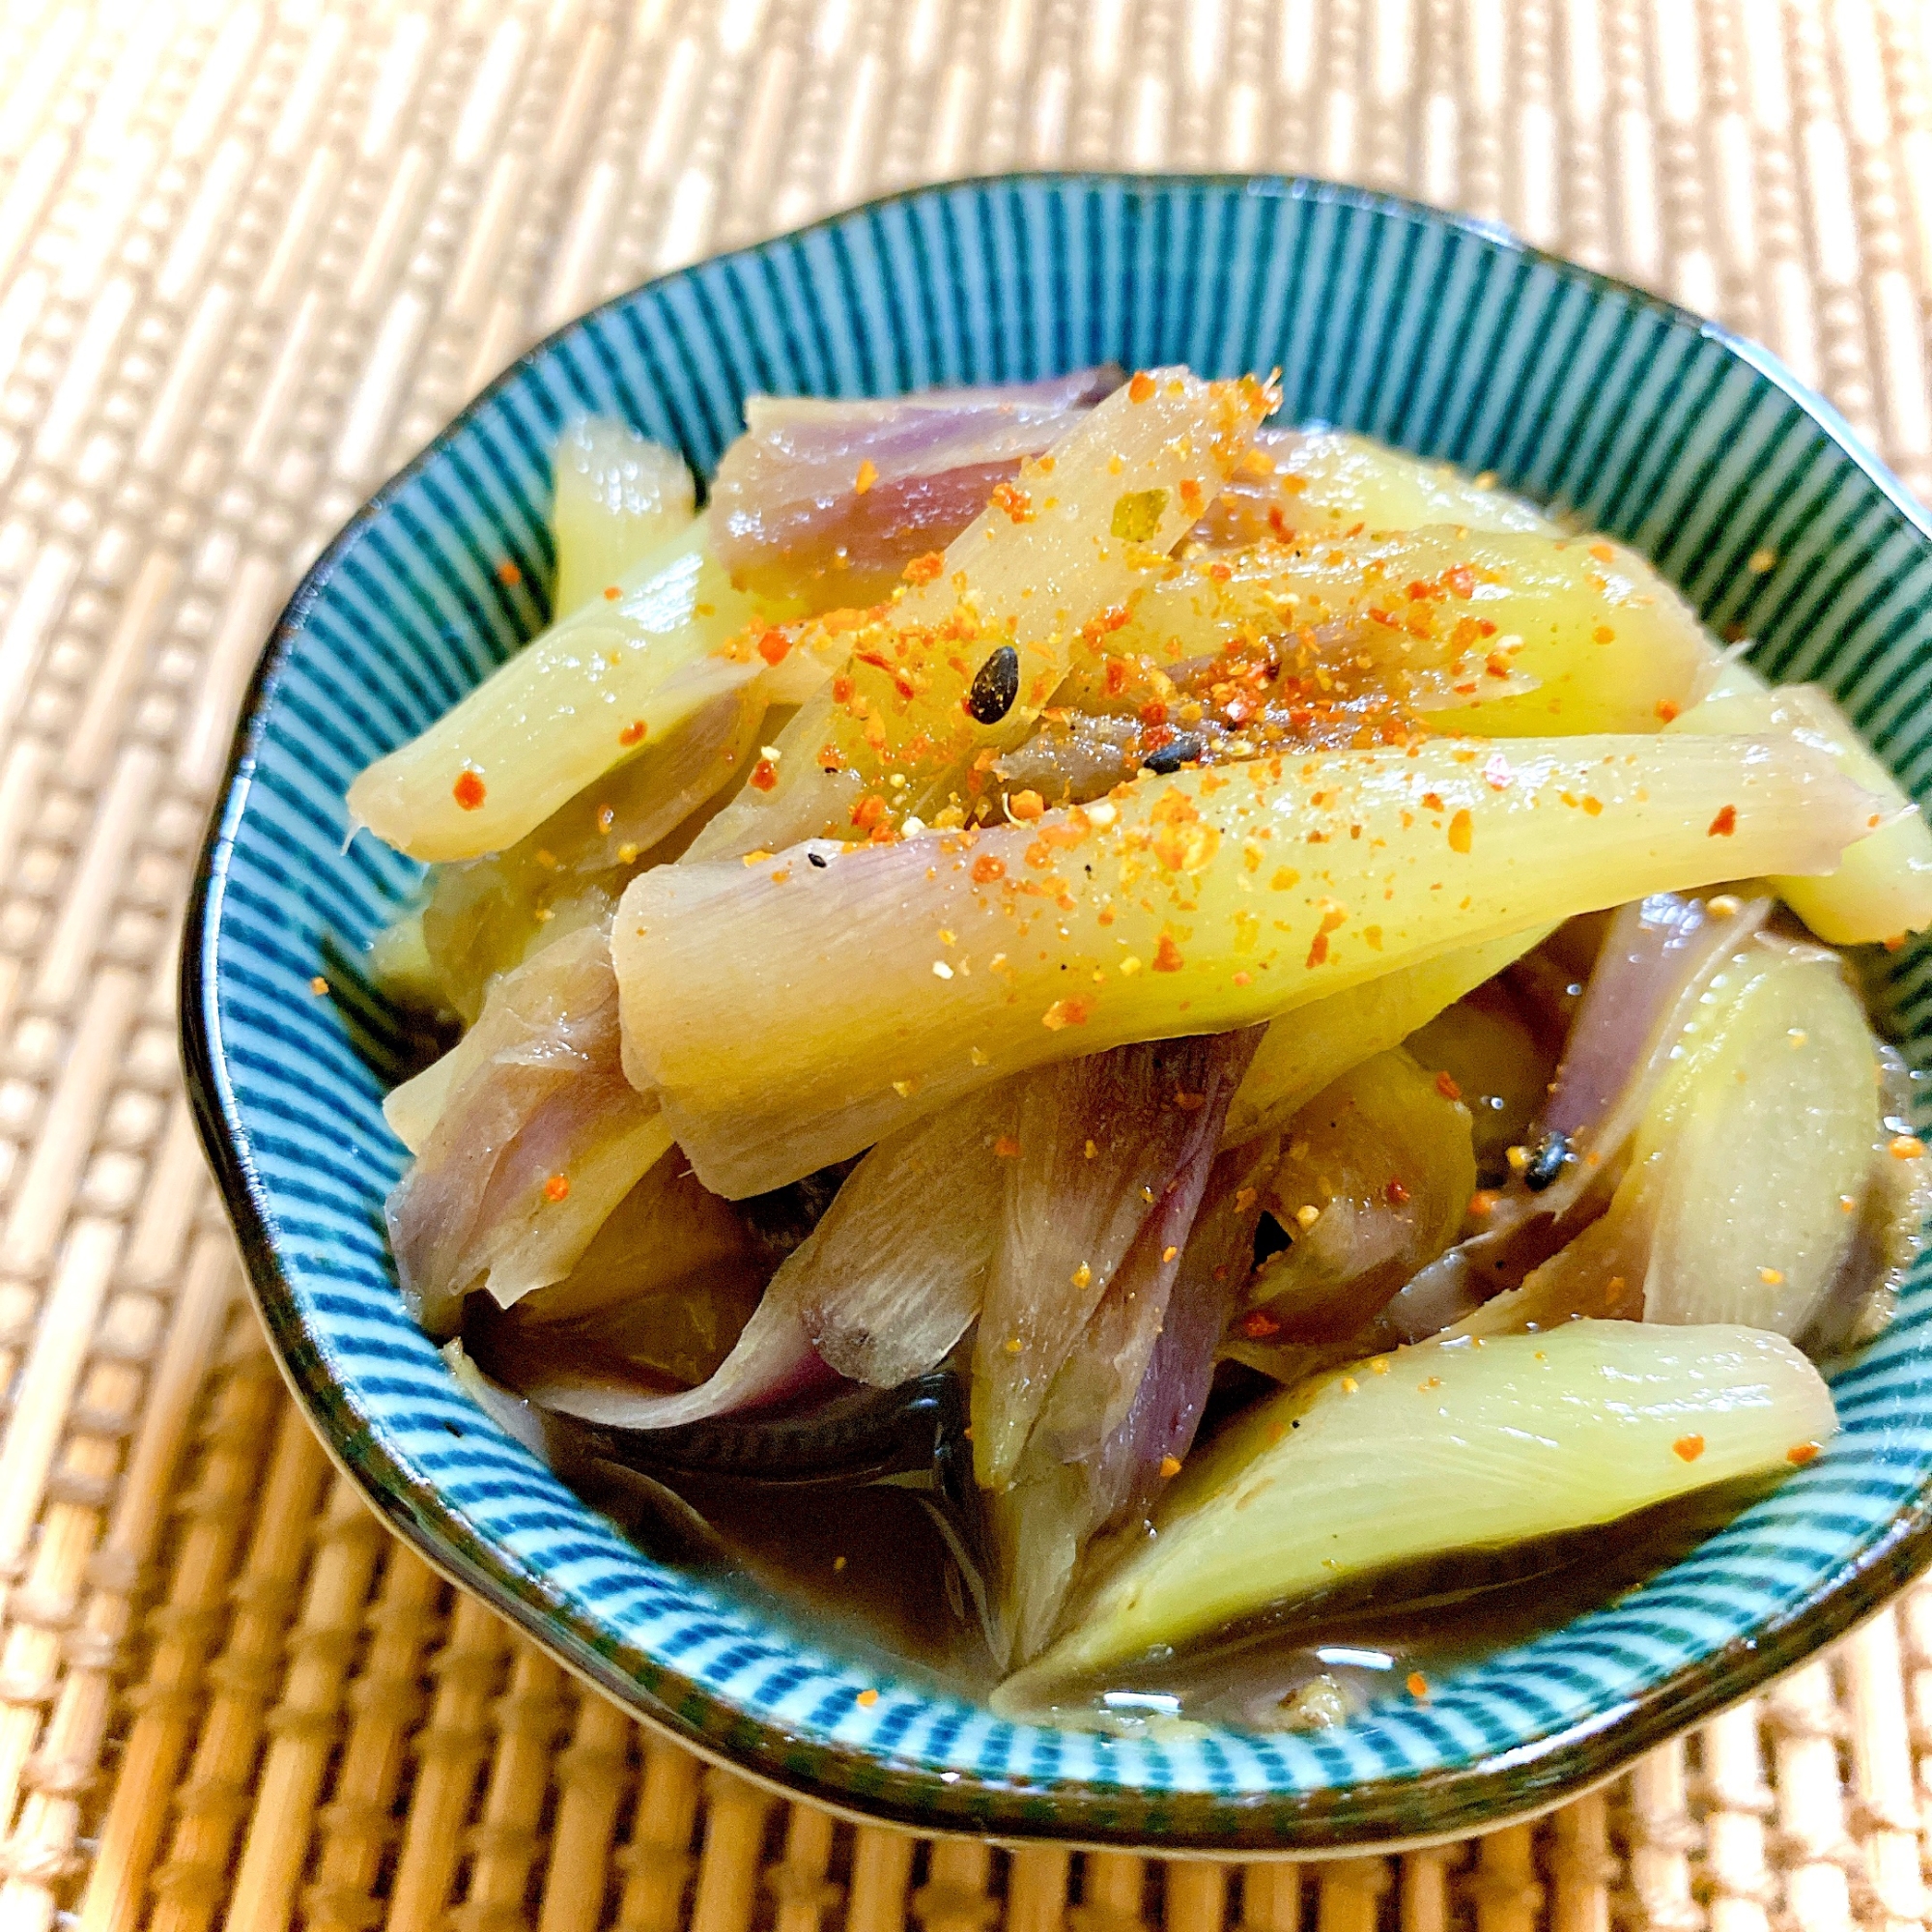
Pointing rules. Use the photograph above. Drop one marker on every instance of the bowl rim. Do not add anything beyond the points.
(853, 1779)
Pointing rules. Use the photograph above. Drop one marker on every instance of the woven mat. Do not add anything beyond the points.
(250, 258)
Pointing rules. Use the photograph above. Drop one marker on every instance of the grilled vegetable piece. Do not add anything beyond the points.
(1070, 539)
(1440, 1448)
(823, 503)
(1302, 1051)
(1749, 1169)
(1882, 888)
(526, 1135)
(618, 498)
(792, 1011)
(1374, 1179)
(1327, 482)
(1500, 633)
(571, 704)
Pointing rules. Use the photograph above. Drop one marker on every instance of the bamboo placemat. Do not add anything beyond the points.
(251, 257)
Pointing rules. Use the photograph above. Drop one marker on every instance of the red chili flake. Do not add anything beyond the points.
(1014, 501)
(1167, 956)
(1006, 1148)
(773, 646)
(1153, 712)
(764, 776)
(556, 1187)
(1460, 579)
(1395, 1194)
(1725, 823)
(1482, 1202)
(1496, 665)
(1447, 1086)
(1260, 1325)
(1800, 1453)
(1665, 710)
(1417, 1685)
(869, 474)
(1116, 678)
(633, 733)
(468, 790)
(1317, 950)
(841, 689)
(986, 869)
(1141, 389)
(508, 573)
(870, 812)
(1687, 1448)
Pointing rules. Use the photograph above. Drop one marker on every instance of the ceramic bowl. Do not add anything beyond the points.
(1440, 335)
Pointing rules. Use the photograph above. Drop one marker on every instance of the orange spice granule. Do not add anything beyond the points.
(1167, 955)
(612, 592)
(869, 813)
(1071, 1012)
(1395, 1194)
(1170, 1468)
(1027, 805)
(318, 985)
(1665, 710)
(1260, 1325)
(1482, 1202)
(468, 790)
(1006, 1148)
(1800, 1453)
(1014, 501)
(1461, 831)
(1725, 823)
(1687, 1448)
(1141, 389)
(1906, 1146)
(868, 1698)
(926, 568)
(772, 647)
(557, 1187)
(507, 574)
(764, 776)
(1417, 1685)
(1446, 1086)
(633, 733)
(986, 869)
(869, 474)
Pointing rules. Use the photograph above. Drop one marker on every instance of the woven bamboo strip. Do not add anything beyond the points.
(592, 1775)
(953, 1898)
(355, 1825)
(657, 1859)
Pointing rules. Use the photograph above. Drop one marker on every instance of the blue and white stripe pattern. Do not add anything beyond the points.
(1441, 337)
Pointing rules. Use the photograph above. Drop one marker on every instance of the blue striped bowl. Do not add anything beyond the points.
(1440, 335)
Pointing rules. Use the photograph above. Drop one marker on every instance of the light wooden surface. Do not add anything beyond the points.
(251, 256)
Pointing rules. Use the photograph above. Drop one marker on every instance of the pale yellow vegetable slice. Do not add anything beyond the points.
(570, 705)
(1050, 552)
(791, 1013)
(1882, 887)
(1302, 1052)
(618, 497)
(1747, 1171)
(1440, 1448)
(1328, 481)
(1501, 634)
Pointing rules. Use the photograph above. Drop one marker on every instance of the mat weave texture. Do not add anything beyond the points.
(250, 258)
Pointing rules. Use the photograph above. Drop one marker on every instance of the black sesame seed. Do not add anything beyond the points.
(1171, 757)
(995, 686)
(817, 858)
(1547, 1162)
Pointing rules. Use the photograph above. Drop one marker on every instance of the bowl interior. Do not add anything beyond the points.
(1441, 337)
